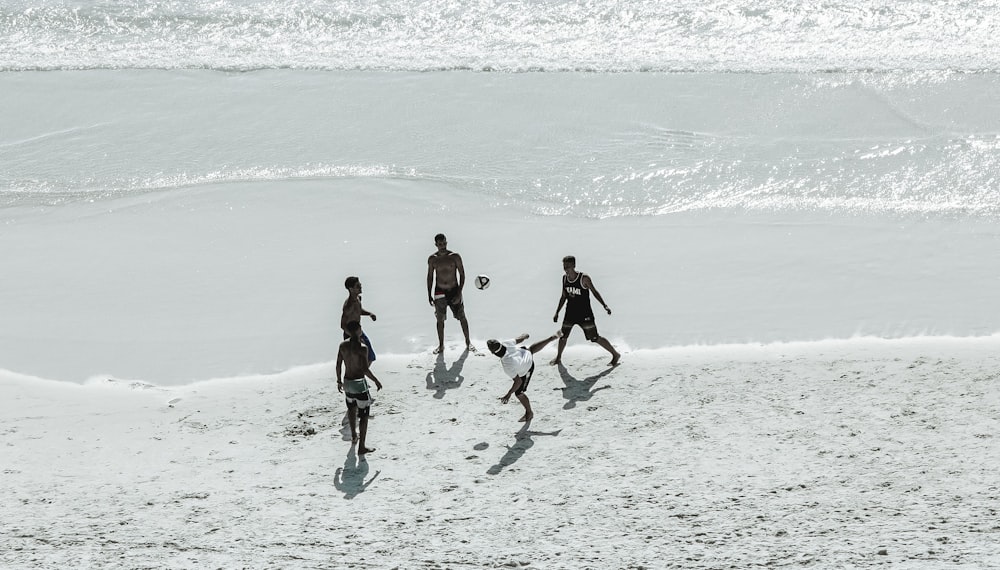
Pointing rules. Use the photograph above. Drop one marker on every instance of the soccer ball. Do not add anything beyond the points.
(482, 281)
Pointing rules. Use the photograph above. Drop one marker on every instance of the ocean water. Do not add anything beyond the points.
(184, 186)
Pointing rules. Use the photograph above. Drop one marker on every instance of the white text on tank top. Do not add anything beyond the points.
(577, 297)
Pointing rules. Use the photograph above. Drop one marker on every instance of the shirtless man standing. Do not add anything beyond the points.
(353, 355)
(353, 311)
(445, 281)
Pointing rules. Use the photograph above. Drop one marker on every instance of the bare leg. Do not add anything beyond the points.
(541, 344)
(528, 414)
(364, 434)
(440, 330)
(352, 417)
(465, 331)
(607, 346)
(559, 350)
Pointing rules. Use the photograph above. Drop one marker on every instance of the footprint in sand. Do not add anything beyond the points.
(171, 403)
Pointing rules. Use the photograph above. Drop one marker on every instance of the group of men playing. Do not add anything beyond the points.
(445, 281)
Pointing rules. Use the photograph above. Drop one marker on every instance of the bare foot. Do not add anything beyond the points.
(614, 360)
(526, 418)
(555, 361)
(471, 348)
(365, 450)
(438, 350)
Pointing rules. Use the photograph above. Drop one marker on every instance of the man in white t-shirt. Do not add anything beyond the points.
(519, 364)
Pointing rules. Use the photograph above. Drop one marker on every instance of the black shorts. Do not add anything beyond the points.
(448, 298)
(586, 323)
(525, 379)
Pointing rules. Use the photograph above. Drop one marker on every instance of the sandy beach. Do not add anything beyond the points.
(839, 454)
(791, 210)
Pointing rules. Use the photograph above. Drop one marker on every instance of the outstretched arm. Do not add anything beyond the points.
(589, 284)
(514, 387)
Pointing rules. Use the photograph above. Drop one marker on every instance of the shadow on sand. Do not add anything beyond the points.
(580, 390)
(350, 479)
(522, 444)
(444, 378)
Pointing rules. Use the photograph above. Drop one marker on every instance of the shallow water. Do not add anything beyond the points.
(224, 279)
(184, 209)
(588, 145)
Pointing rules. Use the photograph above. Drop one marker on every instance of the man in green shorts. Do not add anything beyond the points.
(353, 367)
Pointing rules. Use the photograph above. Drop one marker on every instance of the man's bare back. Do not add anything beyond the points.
(355, 357)
(353, 367)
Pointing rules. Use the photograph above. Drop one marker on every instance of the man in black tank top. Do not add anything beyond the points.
(576, 290)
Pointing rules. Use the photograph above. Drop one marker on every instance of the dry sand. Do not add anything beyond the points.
(838, 454)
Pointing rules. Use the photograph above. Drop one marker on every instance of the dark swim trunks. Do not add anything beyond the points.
(444, 298)
(368, 343)
(586, 323)
(527, 379)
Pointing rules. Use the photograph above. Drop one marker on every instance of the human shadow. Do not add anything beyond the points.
(576, 390)
(345, 427)
(522, 444)
(350, 479)
(444, 378)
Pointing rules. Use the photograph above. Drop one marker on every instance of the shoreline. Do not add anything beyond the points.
(843, 454)
(859, 345)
